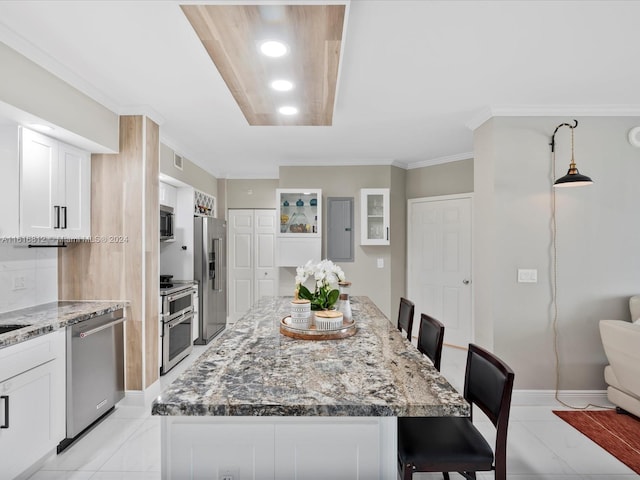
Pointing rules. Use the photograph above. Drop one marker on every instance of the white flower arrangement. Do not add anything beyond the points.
(326, 276)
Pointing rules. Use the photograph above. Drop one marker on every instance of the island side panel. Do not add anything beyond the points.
(271, 448)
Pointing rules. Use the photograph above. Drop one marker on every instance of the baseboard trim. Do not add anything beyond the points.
(547, 398)
(141, 398)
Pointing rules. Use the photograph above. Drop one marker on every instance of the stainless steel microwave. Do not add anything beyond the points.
(166, 223)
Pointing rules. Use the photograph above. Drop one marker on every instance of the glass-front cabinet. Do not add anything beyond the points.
(299, 237)
(374, 216)
(300, 212)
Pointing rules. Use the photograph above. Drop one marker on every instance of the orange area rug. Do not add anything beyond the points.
(617, 434)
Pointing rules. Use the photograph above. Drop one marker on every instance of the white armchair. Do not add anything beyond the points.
(621, 342)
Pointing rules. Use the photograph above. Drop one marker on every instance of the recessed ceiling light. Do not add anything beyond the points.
(288, 110)
(273, 48)
(282, 85)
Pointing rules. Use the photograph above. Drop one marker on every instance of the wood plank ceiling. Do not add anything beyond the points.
(232, 35)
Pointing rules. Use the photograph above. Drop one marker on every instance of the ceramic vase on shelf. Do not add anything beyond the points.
(344, 305)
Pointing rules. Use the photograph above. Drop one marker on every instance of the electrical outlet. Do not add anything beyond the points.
(19, 283)
(381, 263)
(527, 275)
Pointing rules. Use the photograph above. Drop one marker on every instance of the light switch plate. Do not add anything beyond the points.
(527, 275)
(381, 263)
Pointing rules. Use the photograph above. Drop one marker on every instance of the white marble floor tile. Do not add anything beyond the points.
(583, 455)
(96, 447)
(61, 475)
(140, 452)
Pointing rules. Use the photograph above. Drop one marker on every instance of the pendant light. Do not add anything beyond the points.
(573, 178)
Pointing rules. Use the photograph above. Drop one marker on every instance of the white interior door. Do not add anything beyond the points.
(439, 264)
(240, 262)
(252, 271)
(266, 273)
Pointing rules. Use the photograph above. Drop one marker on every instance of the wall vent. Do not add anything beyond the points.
(177, 161)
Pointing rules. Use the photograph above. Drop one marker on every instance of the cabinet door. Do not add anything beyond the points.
(10, 174)
(374, 216)
(39, 205)
(75, 192)
(32, 429)
(299, 212)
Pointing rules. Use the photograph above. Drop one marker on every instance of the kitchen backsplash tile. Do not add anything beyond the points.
(28, 276)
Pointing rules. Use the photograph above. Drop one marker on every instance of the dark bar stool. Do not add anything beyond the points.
(454, 444)
(430, 338)
(405, 316)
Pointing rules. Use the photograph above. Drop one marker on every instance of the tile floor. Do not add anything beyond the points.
(126, 445)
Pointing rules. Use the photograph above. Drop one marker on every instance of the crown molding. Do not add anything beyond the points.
(145, 110)
(45, 61)
(441, 160)
(485, 113)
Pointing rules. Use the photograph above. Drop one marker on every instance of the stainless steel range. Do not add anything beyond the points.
(177, 305)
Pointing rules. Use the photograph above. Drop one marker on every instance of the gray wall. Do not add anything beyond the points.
(191, 174)
(598, 258)
(366, 278)
(252, 193)
(443, 179)
(31, 89)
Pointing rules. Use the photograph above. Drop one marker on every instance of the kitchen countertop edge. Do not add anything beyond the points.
(48, 317)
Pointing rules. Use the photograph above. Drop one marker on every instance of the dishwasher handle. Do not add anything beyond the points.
(100, 328)
(6, 411)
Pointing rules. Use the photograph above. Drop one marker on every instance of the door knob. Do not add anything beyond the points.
(466, 282)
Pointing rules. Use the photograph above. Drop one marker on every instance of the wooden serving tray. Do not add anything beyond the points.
(348, 329)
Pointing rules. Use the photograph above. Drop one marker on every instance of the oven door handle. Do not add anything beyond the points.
(179, 320)
(166, 318)
(181, 294)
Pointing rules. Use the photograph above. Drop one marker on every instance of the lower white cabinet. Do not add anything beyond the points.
(295, 252)
(32, 402)
(272, 448)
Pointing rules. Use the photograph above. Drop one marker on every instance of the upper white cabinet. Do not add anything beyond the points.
(374, 216)
(55, 188)
(299, 237)
(168, 195)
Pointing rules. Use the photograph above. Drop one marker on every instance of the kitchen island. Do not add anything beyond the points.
(261, 405)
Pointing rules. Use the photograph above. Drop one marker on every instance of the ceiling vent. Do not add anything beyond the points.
(177, 161)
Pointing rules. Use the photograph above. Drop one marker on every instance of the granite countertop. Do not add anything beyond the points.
(48, 317)
(251, 369)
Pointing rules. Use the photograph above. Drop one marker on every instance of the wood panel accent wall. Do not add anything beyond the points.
(121, 260)
(231, 35)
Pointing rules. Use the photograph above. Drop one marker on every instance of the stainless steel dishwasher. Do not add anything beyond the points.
(95, 371)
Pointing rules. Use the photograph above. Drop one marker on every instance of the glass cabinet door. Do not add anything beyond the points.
(374, 216)
(300, 212)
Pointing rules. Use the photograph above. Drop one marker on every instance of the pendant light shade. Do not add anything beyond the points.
(573, 178)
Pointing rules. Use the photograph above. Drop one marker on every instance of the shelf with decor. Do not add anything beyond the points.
(204, 205)
(299, 237)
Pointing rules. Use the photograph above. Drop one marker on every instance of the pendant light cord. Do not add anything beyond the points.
(554, 288)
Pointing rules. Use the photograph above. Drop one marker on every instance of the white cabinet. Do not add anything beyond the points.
(32, 402)
(55, 188)
(168, 195)
(374, 216)
(299, 238)
(273, 448)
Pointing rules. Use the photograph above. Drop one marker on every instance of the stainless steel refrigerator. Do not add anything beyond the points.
(210, 270)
